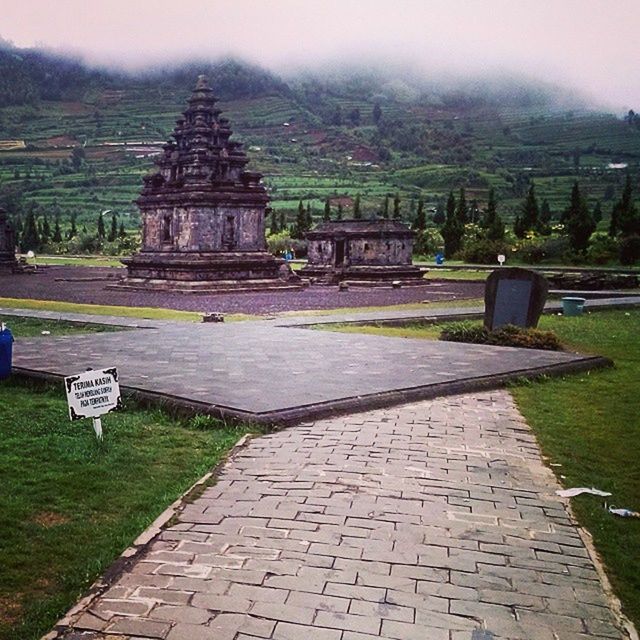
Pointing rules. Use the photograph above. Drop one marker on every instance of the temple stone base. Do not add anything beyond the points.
(364, 275)
(207, 272)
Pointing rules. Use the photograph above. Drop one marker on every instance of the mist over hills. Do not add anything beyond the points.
(76, 138)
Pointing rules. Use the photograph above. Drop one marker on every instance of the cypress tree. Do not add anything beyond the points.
(283, 222)
(579, 222)
(57, 232)
(326, 216)
(273, 224)
(339, 214)
(45, 236)
(461, 208)
(101, 231)
(627, 218)
(301, 221)
(420, 222)
(527, 219)
(396, 206)
(113, 232)
(439, 216)
(544, 221)
(30, 240)
(453, 229)
(597, 212)
(385, 207)
(492, 221)
(474, 212)
(357, 214)
(73, 231)
(309, 218)
(122, 234)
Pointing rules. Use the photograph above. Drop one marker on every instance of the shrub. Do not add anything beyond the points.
(602, 248)
(278, 243)
(507, 336)
(428, 242)
(484, 251)
(630, 250)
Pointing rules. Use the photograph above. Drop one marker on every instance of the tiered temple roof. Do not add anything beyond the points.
(201, 157)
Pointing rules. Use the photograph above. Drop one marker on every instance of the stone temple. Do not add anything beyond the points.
(369, 252)
(7, 244)
(203, 213)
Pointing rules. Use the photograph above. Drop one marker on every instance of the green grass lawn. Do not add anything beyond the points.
(69, 506)
(29, 327)
(589, 425)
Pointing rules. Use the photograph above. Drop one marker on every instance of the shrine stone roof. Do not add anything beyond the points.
(358, 228)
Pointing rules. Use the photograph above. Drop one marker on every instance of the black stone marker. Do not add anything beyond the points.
(514, 296)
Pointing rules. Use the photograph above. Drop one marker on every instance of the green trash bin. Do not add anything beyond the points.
(572, 306)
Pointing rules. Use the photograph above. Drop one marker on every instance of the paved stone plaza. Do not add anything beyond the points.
(429, 521)
(266, 372)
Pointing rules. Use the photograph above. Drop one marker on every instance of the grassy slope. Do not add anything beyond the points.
(29, 327)
(70, 506)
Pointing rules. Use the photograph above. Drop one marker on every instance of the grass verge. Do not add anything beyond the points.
(70, 506)
(22, 327)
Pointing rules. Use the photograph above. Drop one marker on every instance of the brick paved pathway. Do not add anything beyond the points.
(430, 521)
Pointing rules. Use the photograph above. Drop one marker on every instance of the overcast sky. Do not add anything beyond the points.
(592, 45)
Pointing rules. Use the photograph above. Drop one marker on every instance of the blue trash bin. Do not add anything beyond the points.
(572, 306)
(6, 347)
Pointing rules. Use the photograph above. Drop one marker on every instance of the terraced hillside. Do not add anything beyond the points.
(84, 149)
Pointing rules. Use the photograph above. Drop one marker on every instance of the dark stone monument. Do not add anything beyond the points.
(361, 251)
(203, 214)
(514, 296)
(7, 244)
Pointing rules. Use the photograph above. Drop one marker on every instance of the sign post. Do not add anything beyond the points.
(92, 394)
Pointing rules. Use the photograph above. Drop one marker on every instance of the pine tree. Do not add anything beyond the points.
(453, 229)
(527, 219)
(122, 234)
(273, 224)
(326, 216)
(474, 211)
(357, 214)
(396, 206)
(579, 222)
(30, 240)
(339, 214)
(491, 210)
(101, 231)
(57, 232)
(420, 222)
(113, 232)
(283, 222)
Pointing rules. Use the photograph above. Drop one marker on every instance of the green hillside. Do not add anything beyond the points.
(77, 141)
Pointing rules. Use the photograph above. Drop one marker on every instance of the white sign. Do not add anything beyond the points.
(501, 258)
(92, 393)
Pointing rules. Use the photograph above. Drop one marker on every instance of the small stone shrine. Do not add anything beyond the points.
(203, 214)
(514, 296)
(7, 244)
(368, 252)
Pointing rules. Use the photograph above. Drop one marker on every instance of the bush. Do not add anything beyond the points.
(428, 242)
(630, 250)
(602, 248)
(484, 251)
(507, 336)
(278, 243)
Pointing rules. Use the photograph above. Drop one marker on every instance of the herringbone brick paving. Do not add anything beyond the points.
(430, 521)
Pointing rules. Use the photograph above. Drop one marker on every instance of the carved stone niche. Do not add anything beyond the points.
(514, 296)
